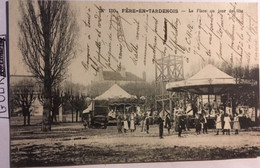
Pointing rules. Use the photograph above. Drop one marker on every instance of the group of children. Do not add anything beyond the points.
(126, 123)
(201, 123)
(223, 122)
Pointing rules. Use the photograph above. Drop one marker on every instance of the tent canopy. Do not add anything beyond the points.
(210, 80)
(115, 93)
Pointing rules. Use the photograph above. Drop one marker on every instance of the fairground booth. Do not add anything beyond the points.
(113, 102)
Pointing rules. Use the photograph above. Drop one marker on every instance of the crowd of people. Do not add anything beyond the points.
(223, 122)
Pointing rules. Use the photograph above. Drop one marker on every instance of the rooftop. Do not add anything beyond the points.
(111, 75)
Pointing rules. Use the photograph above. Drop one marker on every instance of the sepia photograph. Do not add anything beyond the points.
(94, 83)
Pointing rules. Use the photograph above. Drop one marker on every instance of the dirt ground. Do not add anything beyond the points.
(71, 144)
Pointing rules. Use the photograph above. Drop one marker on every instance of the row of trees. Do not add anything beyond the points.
(25, 93)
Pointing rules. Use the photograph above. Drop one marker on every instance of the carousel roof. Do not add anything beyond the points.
(115, 92)
(210, 80)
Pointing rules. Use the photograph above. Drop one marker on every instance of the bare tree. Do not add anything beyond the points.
(23, 97)
(79, 104)
(48, 33)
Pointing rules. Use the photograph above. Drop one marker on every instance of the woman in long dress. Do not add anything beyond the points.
(227, 126)
(236, 126)
(218, 123)
(132, 122)
(126, 127)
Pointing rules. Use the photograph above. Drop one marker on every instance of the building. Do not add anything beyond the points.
(121, 78)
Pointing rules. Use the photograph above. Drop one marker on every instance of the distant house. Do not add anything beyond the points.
(122, 77)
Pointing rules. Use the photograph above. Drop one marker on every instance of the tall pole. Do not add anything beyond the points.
(162, 86)
(155, 85)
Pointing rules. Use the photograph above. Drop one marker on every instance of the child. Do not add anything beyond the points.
(218, 123)
(236, 124)
(227, 126)
(132, 122)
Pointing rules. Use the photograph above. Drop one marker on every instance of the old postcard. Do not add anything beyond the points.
(132, 82)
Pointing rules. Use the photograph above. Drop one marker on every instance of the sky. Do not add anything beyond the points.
(193, 33)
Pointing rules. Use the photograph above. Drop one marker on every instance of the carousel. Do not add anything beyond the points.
(210, 84)
(113, 102)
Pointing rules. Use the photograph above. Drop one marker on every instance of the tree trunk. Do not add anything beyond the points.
(77, 115)
(55, 117)
(52, 117)
(47, 106)
(72, 117)
(24, 119)
(28, 119)
(46, 124)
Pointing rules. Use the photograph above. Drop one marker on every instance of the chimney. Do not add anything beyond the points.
(144, 76)
(100, 73)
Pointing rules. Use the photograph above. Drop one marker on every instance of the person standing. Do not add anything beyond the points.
(201, 118)
(168, 122)
(218, 123)
(147, 118)
(132, 122)
(181, 123)
(126, 127)
(197, 124)
(188, 122)
(222, 121)
(119, 123)
(85, 121)
(205, 124)
(142, 122)
(227, 125)
(236, 126)
(160, 123)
